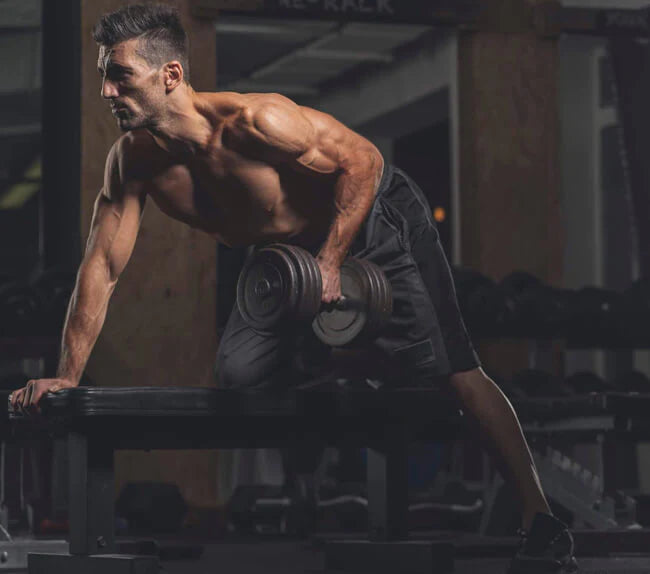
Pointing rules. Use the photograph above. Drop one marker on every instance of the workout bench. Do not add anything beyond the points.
(99, 421)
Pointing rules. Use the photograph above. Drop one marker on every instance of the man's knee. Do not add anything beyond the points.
(233, 371)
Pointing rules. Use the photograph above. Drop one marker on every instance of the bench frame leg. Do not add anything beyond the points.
(387, 478)
(91, 509)
(388, 549)
(91, 496)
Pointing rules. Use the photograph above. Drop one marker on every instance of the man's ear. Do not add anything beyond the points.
(173, 74)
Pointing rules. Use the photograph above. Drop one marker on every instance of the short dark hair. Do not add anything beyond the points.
(158, 28)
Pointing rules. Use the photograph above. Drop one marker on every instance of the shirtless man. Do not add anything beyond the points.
(249, 169)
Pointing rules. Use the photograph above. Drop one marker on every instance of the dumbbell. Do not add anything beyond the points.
(594, 316)
(633, 312)
(633, 382)
(534, 308)
(19, 308)
(280, 287)
(535, 383)
(482, 304)
(585, 382)
(54, 287)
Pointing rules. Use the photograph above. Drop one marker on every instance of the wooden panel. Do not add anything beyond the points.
(509, 154)
(509, 163)
(160, 328)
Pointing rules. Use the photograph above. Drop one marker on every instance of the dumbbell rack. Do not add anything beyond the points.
(602, 500)
(579, 490)
(44, 348)
(13, 551)
(28, 347)
(619, 463)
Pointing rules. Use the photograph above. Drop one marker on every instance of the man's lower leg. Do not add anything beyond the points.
(491, 413)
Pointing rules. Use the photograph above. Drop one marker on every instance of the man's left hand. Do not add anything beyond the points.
(331, 275)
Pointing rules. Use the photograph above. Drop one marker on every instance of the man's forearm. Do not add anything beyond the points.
(354, 195)
(85, 319)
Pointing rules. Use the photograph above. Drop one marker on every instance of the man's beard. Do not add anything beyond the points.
(127, 122)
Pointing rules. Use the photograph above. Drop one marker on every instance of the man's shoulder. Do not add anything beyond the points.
(223, 103)
(137, 154)
(235, 104)
(136, 144)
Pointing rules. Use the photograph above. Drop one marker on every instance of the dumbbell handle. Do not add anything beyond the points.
(264, 288)
(340, 305)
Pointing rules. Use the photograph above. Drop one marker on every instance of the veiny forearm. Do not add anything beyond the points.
(85, 317)
(354, 195)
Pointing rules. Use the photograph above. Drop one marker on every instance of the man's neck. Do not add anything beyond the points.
(187, 127)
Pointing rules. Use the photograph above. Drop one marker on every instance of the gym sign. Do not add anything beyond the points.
(403, 11)
(548, 18)
(624, 22)
(369, 7)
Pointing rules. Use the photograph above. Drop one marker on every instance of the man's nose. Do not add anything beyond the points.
(108, 89)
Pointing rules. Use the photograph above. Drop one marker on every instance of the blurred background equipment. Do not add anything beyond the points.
(151, 507)
(54, 287)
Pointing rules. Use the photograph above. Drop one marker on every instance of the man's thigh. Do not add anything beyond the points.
(426, 337)
(247, 358)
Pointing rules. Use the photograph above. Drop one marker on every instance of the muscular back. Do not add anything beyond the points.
(267, 171)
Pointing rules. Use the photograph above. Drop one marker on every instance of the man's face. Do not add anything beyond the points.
(133, 88)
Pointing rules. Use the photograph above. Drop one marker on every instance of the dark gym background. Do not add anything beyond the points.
(532, 147)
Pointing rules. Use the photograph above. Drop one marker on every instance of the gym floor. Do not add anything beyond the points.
(303, 558)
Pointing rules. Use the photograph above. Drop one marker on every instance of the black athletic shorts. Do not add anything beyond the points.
(425, 339)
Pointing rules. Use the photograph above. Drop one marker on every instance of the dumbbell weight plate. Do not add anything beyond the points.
(278, 285)
(373, 304)
(384, 308)
(19, 308)
(309, 299)
(385, 301)
(54, 287)
(267, 289)
(380, 301)
(340, 325)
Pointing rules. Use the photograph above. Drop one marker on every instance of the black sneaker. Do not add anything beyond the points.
(546, 549)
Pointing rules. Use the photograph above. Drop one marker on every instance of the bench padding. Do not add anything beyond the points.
(404, 404)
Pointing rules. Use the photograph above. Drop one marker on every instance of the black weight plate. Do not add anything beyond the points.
(385, 297)
(340, 326)
(310, 284)
(374, 295)
(19, 308)
(380, 301)
(312, 304)
(387, 300)
(298, 264)
(384, 300)
(54, 288)
(268, 288)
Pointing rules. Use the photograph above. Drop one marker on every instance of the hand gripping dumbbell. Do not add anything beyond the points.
(280, 287)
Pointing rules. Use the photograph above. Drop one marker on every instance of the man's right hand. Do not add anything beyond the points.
(26, 400)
